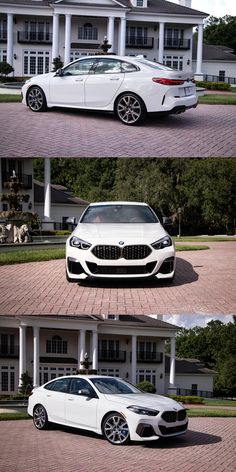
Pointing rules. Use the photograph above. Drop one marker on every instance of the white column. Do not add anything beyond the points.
(47, 190)
(161, 42)
(10, 38)
(199, 52)
(67, 39)
(172, 388)
(55, 36)
(95, 350)
(22, 352)
(82, 346)
(110, 32)
(35, 356)
(122, 36)
(134, 359)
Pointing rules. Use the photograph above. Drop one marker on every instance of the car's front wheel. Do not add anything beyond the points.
(36, 99)
(40, 417)
(130, 109)
(115, 429)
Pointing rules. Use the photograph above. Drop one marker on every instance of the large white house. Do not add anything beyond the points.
(34, 32)
(132, 347)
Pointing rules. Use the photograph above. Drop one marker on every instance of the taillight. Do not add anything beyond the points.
(162, 81)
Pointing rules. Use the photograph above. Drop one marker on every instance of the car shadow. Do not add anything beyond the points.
(152, 119)
(190, 439)
(185, 274)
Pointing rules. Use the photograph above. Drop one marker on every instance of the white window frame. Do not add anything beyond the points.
(110, 372)
(3, 55)
(146, 374)
(36, 62)
(10, 378)
(171, 60)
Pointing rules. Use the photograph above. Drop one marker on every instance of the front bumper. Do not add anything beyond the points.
(81, 264)
(152, 428)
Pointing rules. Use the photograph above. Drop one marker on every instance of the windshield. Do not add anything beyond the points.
(113, 385)
(153, 64)
(119, 214)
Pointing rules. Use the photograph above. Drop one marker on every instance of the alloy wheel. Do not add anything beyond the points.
(36, 99)
(115, 429)
(130, 109)
(40, 417)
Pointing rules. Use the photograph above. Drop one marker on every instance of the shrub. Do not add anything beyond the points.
(5, 68)
(188, 399)
(147, 386)
(213, 85)
(57, 63)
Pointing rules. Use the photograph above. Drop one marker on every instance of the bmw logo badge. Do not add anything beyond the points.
(121, 243)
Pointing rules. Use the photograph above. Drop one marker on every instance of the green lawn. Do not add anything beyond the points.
(220, 402)
(206, 239)
(6, 98)
(217, 99)
(14, 416)
(197, 412)
(19, 257)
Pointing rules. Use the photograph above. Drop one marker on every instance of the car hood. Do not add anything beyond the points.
(156, 402)
(129, 233)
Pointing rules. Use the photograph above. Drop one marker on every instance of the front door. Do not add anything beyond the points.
(68, 89)
(81, 407)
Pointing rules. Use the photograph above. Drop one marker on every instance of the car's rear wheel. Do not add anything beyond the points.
(115, 429)
(40, 417)
(36, 99)
(130, 109)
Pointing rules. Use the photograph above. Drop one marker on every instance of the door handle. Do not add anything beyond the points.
(115, 78)
(70, 399)
(79, 80)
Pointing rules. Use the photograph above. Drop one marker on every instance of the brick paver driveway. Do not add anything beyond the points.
(209, 446)
(208, 131)
(204, 284)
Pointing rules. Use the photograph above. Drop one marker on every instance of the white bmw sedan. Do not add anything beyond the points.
(119, 240)
(108, 406)
(130, 87)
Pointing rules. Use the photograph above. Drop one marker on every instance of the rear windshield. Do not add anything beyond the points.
(119, 214)
(153, 64)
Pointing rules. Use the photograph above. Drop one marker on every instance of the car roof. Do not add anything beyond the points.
(118, 203)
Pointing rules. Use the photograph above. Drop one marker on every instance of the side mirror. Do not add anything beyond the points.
(59, 72)
(167, 221)
(86, 392)
(71, 220)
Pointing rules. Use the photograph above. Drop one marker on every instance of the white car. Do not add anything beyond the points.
(119, 240)
(108, 406)
(130, 87)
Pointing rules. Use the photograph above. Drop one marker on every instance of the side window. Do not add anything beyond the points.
(61, 385)
(81, 387)
(107, 66)
(128, 67)
(79, 67)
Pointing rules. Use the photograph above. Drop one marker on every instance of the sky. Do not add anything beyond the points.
(218, 8)
(189, 321)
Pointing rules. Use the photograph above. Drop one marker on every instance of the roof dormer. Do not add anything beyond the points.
(139, 3)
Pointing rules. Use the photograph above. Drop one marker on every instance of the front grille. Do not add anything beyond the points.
(134, 252)
(173, 416)
(173, 430)
(119, 270)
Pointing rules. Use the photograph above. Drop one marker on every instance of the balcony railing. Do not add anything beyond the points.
(9, 351)
(25, 180)
(3, 36)
(36, 37)
(139, 42)
(146, 356)
(112, 356)
(172, 43)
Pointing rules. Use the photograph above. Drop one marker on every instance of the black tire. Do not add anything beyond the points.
(36, 99)
(115, 429)
(40, 417)
(130, 109)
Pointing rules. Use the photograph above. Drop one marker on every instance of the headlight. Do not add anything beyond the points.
(142, 410)
(162, 243)
(79, 243)
(28, 81)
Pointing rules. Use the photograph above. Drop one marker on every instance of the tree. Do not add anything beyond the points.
(215, 346)
(221, 31)
(57, 63)
(5, 68)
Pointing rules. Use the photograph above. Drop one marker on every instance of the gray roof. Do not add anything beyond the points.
(142, 320)
(188, 366)
(213, 52)
(59, 194)
(154, 6)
